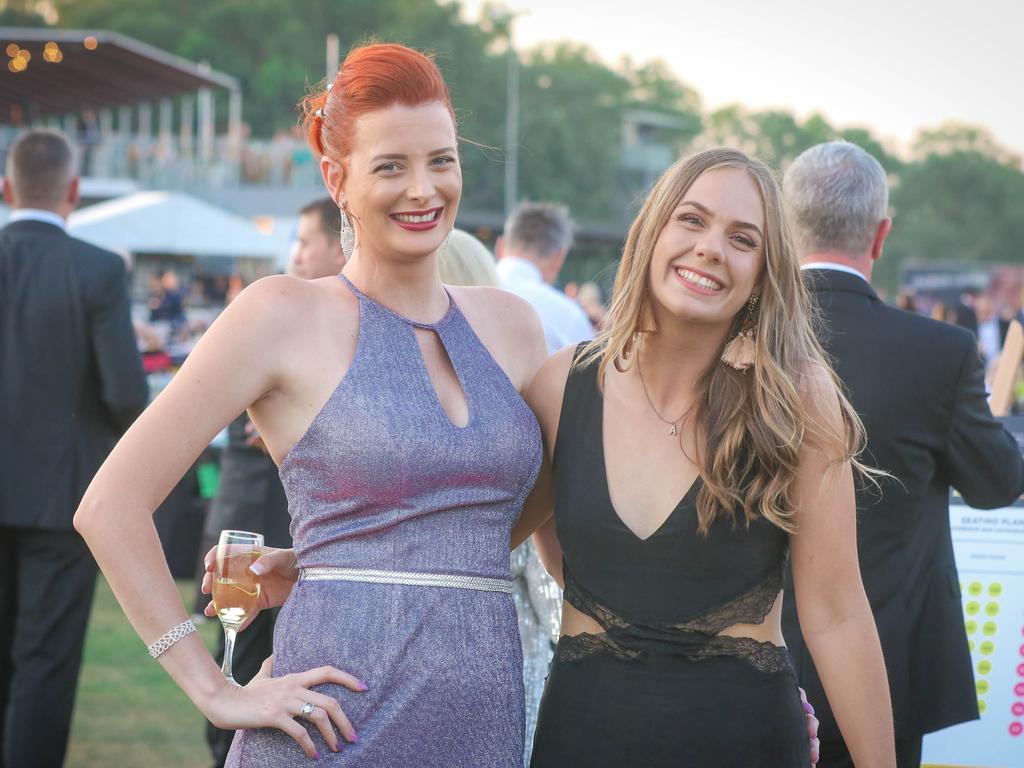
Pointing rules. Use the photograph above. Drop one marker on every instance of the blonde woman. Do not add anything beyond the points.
(696, 444)
(466, 261)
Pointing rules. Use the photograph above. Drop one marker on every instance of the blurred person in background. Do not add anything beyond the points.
(71, 382)
(919, 388)
(531, 252)
(589, 298)
(250, 496)
(990, 341)
(466, 261)
(317, 249)
(166, 304)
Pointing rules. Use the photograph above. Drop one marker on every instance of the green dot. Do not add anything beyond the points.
(995, 589)
(972, 608)
(989, 628)
(971, 626)
(974, 589)
(981, 706)
(984, 667)
(992, 609)
(970, 645)
(981, 687)
(987, 647)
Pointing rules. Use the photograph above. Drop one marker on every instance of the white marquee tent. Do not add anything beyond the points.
(171, 223)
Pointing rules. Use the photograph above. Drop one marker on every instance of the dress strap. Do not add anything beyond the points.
(363, 298)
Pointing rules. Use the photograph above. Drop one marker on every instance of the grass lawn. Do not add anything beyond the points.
(128, 711)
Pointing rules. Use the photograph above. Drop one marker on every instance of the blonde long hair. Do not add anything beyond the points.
(751, 424)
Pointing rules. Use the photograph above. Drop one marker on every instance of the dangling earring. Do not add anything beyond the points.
(348, 235)
(739, 352)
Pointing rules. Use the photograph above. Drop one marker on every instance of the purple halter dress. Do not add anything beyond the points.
(383, 482)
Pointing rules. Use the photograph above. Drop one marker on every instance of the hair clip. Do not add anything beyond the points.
(319, 113)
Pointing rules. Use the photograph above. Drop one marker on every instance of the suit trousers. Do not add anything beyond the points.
(835, 755)
(47, 580)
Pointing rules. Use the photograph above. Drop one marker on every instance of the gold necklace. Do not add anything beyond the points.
(672, 424)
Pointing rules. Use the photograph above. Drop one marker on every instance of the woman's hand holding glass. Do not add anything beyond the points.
(275, 702)
(277, 570)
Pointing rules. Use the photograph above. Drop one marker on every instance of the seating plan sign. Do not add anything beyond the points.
(989, 550)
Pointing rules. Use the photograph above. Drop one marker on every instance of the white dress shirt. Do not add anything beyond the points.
(564, 321)
(35, 214)
(835, 267)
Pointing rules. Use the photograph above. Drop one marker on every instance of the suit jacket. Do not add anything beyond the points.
(250, 496)
(918, 385)
(71, 378)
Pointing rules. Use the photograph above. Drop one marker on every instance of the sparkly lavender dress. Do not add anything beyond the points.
(383, 481)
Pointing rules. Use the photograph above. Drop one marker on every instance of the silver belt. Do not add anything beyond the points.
(408, 578)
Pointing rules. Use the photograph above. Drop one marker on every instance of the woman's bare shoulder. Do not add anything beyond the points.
(286, 304)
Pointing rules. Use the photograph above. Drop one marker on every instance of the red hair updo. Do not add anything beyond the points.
(372, 77)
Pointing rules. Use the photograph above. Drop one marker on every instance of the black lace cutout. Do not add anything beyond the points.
(696, 638)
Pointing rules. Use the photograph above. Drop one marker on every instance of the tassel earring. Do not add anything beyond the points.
(348, 235)
(739, 352)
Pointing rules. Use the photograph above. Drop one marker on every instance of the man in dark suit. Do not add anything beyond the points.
(919, 388)
(250, 496)
(71, 382)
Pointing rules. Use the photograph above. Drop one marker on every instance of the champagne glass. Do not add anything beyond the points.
(235, 588)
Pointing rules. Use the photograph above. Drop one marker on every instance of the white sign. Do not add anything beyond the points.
(989, 550)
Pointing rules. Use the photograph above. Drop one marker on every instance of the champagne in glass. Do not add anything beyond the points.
(235, 588)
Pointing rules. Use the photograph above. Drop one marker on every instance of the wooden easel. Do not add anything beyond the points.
(1006, 370)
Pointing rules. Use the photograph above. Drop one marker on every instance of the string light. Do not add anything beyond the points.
(24, 54)
(12, 50)
(90, 43)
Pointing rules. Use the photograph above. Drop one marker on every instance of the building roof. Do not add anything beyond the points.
(114, 70)
(170, 223)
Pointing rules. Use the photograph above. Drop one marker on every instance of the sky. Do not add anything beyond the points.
(894, 66)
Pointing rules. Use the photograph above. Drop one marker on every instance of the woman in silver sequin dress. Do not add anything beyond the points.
(392, 408)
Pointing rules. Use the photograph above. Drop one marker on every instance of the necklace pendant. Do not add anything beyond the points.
(672, 431)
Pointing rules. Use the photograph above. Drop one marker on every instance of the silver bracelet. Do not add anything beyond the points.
(164, 642)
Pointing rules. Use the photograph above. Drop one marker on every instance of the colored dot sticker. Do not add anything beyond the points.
(989, 628)
(974, 589)
(1018, 709)
(992, 609)
(1022, 650)
(1018, 689)
(995, 589)
(972, 608)
(1020, 670)
(981, 706)
(981, 687)
(1016, 729)
(970, 645)
(971, 627)
(984, 667)
(987, 647)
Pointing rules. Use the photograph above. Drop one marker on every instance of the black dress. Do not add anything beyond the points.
(660, 687)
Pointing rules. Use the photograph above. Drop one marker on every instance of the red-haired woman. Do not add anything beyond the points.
(392, 407)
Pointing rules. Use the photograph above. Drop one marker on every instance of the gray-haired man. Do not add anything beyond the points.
(919, 387)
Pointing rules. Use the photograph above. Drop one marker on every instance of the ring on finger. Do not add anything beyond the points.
(307, 709)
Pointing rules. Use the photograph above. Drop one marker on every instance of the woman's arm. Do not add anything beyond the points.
(236, 363)
(544, 396)
(835, 617)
